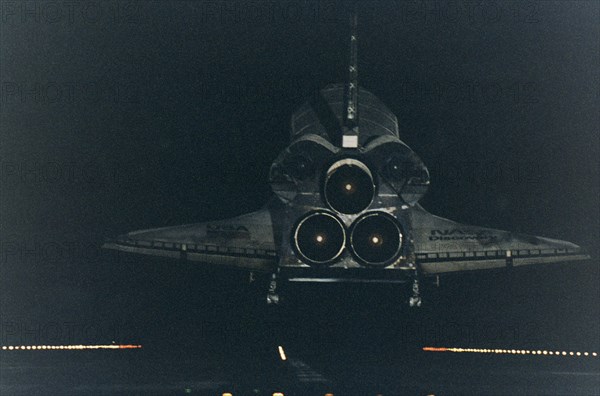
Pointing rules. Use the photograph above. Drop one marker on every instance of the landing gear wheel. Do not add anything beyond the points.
(414, 301)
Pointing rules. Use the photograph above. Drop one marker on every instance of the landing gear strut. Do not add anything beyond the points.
(272, 296)
(415, 299)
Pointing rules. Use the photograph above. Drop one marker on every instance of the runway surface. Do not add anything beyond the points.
(181, 371)
(204, 335)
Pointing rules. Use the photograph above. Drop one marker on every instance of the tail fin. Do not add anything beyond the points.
(350, 126)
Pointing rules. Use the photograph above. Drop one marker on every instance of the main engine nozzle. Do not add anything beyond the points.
(319, 238)
(376, 239)
(349, 187)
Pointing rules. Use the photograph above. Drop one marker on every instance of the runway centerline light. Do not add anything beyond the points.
(281, 353)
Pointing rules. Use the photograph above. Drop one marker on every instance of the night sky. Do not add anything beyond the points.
(120, 115)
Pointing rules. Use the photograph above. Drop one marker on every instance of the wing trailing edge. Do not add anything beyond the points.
(442, 245)
(244, 242)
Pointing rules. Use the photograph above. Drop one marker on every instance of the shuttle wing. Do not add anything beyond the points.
(245, 242)
(442, 245)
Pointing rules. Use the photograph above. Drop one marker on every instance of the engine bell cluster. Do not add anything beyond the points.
(321, 236)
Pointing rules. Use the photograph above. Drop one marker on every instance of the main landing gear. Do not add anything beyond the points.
(272, 296)
(415, 298)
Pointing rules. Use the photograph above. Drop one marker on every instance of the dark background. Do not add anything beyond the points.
(122, 115)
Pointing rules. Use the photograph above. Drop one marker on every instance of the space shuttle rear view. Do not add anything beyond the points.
(346, 209)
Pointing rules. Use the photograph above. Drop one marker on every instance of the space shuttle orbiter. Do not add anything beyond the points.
(346, 209)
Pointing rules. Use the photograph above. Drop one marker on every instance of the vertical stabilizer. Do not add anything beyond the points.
(350, 127)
